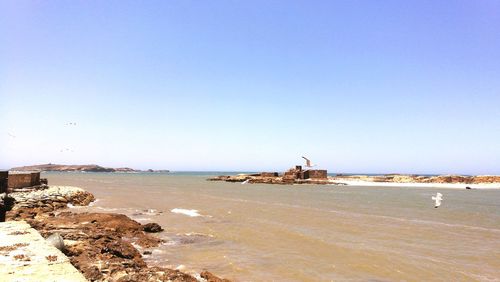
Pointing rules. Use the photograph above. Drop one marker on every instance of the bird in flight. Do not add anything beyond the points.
(308, 162)
(71, 123)
(437, 199)
(11, 135)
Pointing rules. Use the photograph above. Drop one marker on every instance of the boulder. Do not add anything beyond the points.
(57, 241)
(152, 228)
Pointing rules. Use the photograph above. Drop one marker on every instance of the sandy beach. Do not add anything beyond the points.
(415, 184)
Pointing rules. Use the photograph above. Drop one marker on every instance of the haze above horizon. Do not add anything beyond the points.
(357, 86)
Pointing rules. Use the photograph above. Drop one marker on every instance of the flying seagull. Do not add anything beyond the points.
(11, 135)
(308, 162)
(71, 123)
(438, 198)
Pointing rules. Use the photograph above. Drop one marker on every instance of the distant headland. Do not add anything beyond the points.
(80, 168)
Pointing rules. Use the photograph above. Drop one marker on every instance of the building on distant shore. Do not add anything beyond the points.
(298, 173)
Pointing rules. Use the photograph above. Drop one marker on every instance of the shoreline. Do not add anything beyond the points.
(458, 186)
(296, 177)
(102, 246)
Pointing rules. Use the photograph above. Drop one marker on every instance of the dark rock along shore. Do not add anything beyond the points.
(100, 245)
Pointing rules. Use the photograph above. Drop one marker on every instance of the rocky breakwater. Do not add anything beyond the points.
(100, 245)
(47, 199)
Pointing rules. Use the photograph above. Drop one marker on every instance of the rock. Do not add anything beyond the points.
(209, 277)
(61, 199)
(486, 179)
(121, 250)
(152, 228)
(57, 241)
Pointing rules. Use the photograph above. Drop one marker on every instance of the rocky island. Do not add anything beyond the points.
(299, 176)
(79, 168)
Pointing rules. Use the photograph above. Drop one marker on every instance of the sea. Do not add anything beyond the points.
(262, 232)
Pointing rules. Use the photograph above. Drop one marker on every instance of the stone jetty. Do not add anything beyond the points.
(50, 198)
(27, 256)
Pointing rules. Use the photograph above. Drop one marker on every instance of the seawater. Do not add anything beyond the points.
(306, 232)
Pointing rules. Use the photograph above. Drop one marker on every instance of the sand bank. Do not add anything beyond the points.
(416, 185)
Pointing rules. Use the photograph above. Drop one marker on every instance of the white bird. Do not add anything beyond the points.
(308, 162)
(246, 181)
(438, 198)
(11, 135)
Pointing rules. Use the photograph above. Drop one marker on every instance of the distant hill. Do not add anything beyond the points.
(86, 168)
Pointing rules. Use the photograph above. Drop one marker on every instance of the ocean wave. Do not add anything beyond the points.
(108, 209)
(142, 219)
(191, 213)
(197, 234)
(93, 203)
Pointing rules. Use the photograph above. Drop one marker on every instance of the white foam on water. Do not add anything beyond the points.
(170, 243)
(143, 219)
(197, 234)
(181, 267)
(111, 209)
(157, 252)
(191, 213)
(95, 201)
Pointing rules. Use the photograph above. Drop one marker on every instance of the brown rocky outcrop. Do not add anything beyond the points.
(212, 278)
(486, 179)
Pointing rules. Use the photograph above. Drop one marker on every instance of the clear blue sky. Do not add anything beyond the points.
(358, 86)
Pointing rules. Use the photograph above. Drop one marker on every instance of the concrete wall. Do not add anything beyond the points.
(25, 179)
(35, 264)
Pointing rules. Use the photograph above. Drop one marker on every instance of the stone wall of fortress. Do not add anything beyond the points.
(23, 179)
